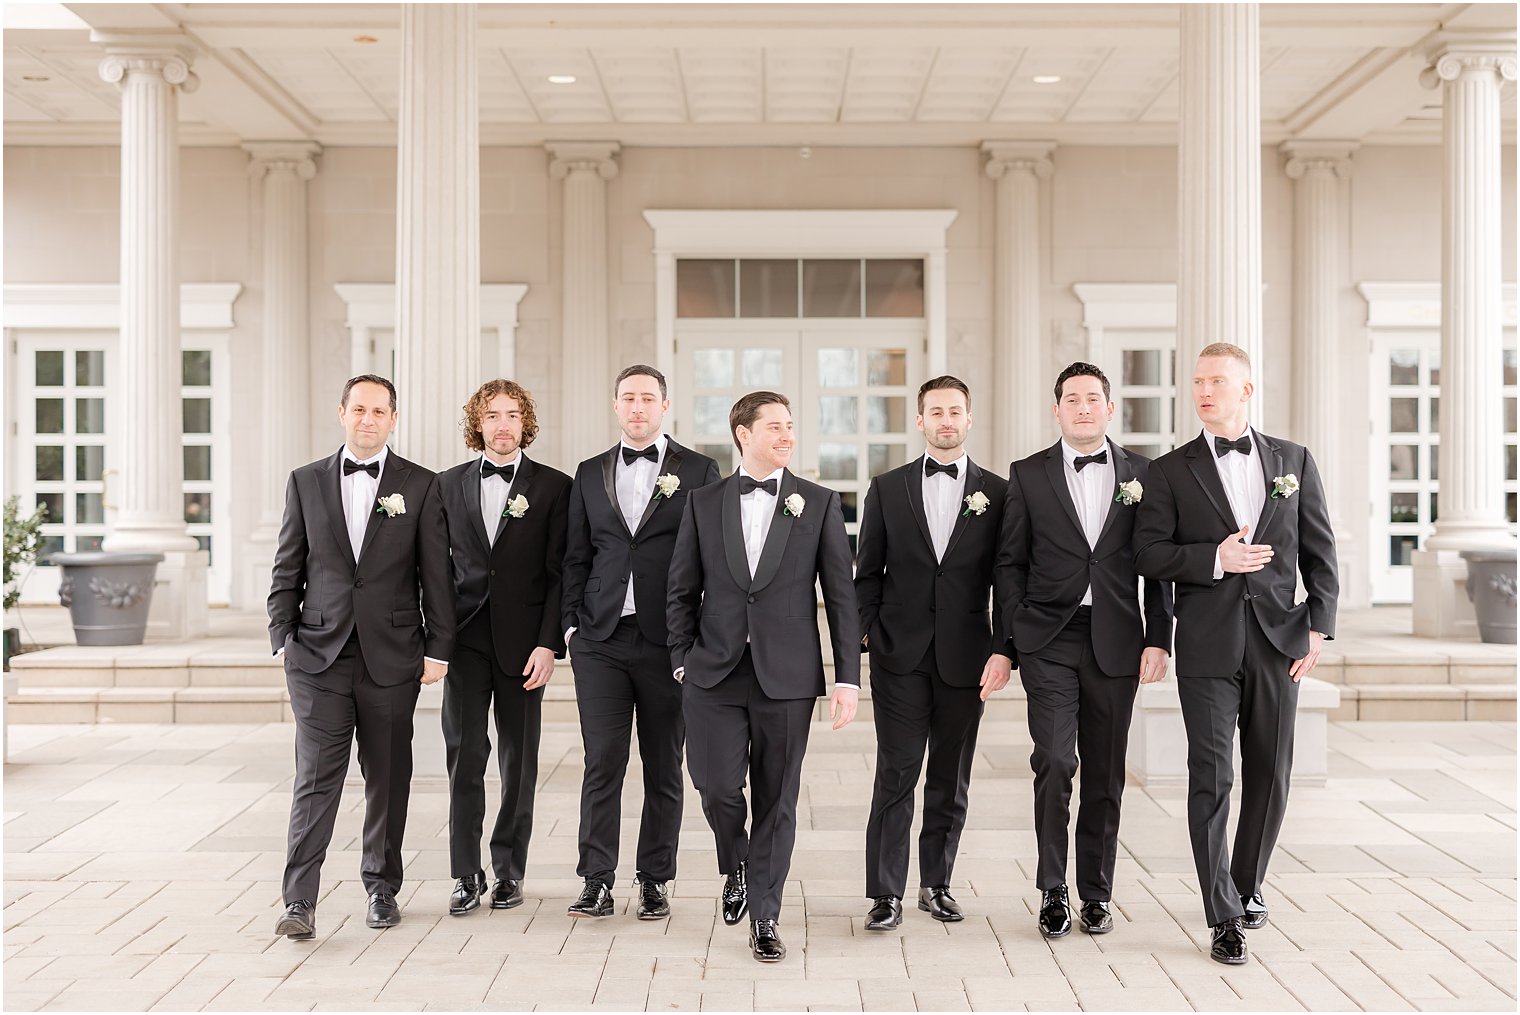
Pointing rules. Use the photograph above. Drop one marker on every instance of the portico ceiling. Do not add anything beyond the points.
(715, 74)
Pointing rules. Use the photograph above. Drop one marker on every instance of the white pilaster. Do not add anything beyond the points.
(437, 231)
(1219, 192)
(1469, 70)
(1019, 382)
(283, 167)
(1318, 169)
(585, 167)
(150, 73)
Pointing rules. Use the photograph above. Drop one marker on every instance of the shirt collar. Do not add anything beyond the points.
(516, 461)
(760, 479)
(1070, 454)
(385, 451)
(661, 442)
(959, 463)
(1248, 430)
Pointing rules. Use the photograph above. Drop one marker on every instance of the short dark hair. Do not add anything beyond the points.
(384, 382)
(1080, 369)
(747, 409)
(939, 383)
(641, 370)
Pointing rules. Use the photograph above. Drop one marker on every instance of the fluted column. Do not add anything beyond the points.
(283, 167)
(1469, 70)
(1019, 384)
(585, 168)
(150, 516)
(1219, 192)
(437, 231)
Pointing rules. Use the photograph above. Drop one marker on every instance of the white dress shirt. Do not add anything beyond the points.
(359, 493)
(942, 502)
(635, 486)
(756, 509)
(494, 494)
(1092, 490)
(1244, 485)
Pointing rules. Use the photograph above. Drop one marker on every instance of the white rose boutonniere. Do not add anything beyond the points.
(516, 507)
(1130, 493)
(976, 504)
(393, 505)
(794, 505)
(1284, 487)
(667, 485)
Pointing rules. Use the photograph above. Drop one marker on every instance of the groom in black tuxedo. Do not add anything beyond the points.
(506, 516)
(928, 536)
(1243, 643)
(1067, 582)
(743, 620)
(625, 510)
(362, 610)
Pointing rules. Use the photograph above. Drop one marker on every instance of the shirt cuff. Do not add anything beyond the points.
(440, 662)
(279, 651)
(841, 683)
(1218, 567)
(568, 632)
(679, 674)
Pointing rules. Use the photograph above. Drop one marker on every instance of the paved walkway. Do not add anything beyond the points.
(142, 867)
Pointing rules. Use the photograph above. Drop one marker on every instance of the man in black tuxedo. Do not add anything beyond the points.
(506, 516)
(924, 580)
(362, 609)
(1243, 644)
(625, 511)
(1067, 582)
(743, 621)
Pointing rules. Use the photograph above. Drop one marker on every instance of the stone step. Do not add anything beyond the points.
(1428, 702)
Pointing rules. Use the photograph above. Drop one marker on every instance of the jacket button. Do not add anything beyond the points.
(1246, 597)
(940, 573)
(493, 572)
(1094, 561)
(752, 599)
(623, 580)
(632, 545)
(358, 583)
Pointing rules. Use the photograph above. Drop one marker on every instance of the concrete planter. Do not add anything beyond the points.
(108, 595)
(1491, 587)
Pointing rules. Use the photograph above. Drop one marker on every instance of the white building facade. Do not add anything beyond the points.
(837, 203)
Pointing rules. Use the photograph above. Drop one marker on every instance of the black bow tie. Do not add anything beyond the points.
(932, 467)
(487, 470)
(630, 455)
(350, 466)
(747, 485)
(1223, 447)
(1083, 461)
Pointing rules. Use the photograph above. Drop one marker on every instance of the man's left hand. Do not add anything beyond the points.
(842, 706)
(539, 669)
(995, 674)
(1302, 667)
(1153, 665)
(432, 672)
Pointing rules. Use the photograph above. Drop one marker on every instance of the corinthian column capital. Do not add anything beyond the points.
(1005, 157)
(599, 157)
(1454, 53)
(1306, 157)
(166, 56)
(299, 157)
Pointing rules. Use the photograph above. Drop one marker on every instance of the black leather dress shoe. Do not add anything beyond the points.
(885, 914)
(595, 900)
(1229, 943)
(765, 941)
(298, 922)
(938, 904)
(383, 911)
(506, 894)
(467, 893)
(1095, 918)
(1055, 912)
(735, 897)
(1256, 912)
(654, 903)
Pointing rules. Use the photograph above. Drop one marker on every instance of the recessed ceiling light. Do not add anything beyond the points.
(365, 38)
(35, 77)
(562, 79)
(1047, 79)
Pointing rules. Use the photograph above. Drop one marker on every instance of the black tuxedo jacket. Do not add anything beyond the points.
(907, 598)
(602, 553)
(318, 593)
(518, 578)
(1045, 564)
(713, 604)
(1185, 516)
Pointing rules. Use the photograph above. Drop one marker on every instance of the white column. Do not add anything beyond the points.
(284, 167)
(1019, 381)
(150, 517)
(1318, 169)
(1470, 71)
(585, 167)
(437, 231)
(1219, 192)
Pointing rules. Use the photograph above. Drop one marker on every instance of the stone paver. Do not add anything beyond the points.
(142, 870)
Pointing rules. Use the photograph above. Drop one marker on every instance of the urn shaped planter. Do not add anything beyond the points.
(108, 595)
(1491, 587)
